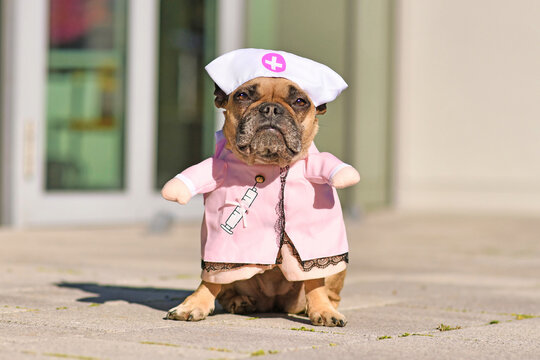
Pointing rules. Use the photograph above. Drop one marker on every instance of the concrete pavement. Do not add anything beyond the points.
(418, 287)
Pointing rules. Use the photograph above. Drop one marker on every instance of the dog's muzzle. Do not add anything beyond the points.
(270, 133)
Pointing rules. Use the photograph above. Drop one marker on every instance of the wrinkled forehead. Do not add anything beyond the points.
(271, 86)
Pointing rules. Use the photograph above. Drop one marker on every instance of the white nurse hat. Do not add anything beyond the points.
(234, 68)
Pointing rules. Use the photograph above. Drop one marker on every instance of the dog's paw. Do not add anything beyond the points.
(327, 317)
(240, 304)
(189, 312)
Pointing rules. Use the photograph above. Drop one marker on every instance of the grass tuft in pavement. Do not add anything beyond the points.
(443, 327)
(523, 316)
(303, 328)
(68, 356)
(158, 343)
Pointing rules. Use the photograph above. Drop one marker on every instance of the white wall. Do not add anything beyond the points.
(468, 105)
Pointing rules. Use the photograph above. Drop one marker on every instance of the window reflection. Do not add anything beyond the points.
(85, 94)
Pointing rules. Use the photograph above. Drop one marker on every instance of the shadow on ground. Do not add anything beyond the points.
(159, 299)
(300, 318)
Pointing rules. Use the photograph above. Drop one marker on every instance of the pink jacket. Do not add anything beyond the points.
(242, 204)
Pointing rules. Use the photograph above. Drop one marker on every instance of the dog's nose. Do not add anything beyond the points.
(271, 109)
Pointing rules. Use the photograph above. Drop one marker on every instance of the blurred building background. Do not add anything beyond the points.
(103, 101)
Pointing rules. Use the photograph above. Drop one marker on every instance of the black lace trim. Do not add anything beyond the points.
(321, 263)
(279, 227)
(215, 266)
(306, 266)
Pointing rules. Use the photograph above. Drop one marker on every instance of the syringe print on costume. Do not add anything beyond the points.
(241, 207)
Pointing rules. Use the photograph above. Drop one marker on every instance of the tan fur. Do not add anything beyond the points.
(198, 305)
(274, 90)
(269, 291)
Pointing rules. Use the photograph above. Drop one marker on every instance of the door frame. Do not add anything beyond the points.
(30, 204)
(5, 139)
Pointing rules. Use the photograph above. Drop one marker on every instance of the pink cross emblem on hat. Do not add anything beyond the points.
(274, 62)
(239, 66)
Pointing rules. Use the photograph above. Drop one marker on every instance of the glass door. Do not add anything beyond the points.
(84, 113)
(91, 137)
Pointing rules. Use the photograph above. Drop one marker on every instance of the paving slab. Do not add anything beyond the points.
(419, 286)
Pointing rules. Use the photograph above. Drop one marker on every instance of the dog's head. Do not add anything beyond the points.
(269, 121)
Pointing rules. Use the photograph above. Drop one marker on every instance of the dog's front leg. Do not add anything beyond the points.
(319, 307)
(198, 305)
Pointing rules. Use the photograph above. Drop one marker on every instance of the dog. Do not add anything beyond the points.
(270, 123)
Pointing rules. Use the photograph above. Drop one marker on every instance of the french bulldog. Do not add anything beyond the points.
(268, 121)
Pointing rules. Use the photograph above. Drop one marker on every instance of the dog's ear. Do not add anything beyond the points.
(221, 98)
(321, 109)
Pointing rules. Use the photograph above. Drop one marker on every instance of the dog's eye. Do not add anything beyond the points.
(242, 96)
(300, 102)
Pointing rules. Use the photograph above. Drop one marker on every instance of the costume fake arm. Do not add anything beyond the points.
(176, 190)
(345, 177)
(197, 179)
(326, 168)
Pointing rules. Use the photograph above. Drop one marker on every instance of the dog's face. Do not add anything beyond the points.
(269, 121)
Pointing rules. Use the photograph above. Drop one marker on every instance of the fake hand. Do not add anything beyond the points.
(345, 177)
(176, 190)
